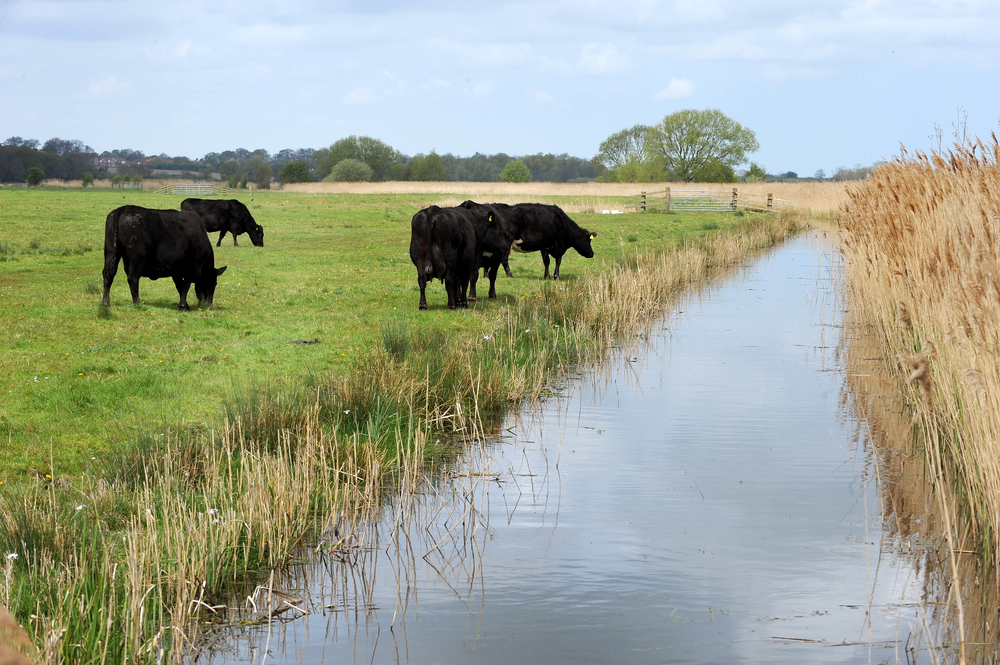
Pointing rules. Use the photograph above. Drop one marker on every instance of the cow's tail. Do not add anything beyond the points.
(111, 232)
(429, 242)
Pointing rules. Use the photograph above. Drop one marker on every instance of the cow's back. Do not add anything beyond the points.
(214, 214)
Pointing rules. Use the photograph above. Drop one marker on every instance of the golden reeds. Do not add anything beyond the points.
(920, 238)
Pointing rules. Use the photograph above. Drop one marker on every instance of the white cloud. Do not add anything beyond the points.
(601, 59)
(269, 35)
(677, 89)
(360, 96)
(786, 74)
(106, 85)
(497, 54)
(542, 97)
(481, 90)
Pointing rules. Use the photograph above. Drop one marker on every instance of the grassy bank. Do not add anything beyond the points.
(334, 268)
(240, 446)
(920, 237)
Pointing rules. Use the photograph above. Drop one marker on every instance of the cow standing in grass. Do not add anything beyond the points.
(537, 227)
(226, 216)
(443, 246)
(160, 243)
(493, 239)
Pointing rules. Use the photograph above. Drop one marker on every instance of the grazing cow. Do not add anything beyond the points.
(231, 216)
(545, 228)
(493, 239)
(160, 243)
(443, 246)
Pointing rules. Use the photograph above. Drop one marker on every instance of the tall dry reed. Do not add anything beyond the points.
(920, 238)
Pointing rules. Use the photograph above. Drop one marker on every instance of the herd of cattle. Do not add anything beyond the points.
(450, 244)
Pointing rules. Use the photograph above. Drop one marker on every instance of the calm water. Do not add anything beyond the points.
(702, 499)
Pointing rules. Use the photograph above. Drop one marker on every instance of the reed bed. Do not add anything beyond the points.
(186, 528)
(920, 238)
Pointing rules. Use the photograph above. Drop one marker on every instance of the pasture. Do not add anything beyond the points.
(335, 268)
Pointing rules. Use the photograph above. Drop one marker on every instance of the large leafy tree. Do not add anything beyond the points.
(515, 171)
(624, 147)
(295, 171)
(427, 168)
(377, 155)
(687, 141)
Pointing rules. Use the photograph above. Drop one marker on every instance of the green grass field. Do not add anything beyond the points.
(334, 268)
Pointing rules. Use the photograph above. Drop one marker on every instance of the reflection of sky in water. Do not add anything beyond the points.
(688, 507)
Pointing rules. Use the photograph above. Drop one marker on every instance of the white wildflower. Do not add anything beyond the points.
(80, 507)
(12, 556)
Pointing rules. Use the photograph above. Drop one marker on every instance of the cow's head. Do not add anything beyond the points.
(256, 233)
(204, 286)
(582, 243)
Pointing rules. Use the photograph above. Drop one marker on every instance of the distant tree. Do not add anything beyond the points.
(262, 175)
(428, 168)
(18, 142)
(232, 172)
(377, 155)
(756, 173)
(628, 145)
(64, 148)
(398, 171)
(350, 170)
(686, 141)
(515, 171)
(88, 179)
(790, 174)
(35, 176)
(859, 172)
(295, 171)
(715, 171)
(820, 174)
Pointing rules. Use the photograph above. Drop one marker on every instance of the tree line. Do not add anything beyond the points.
(686, 146)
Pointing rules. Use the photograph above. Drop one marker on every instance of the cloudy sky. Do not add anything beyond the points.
(823, 84)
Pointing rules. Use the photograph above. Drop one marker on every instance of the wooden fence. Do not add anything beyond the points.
(718, 200)
(188, 188)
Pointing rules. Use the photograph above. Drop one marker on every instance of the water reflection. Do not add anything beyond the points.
(709, 497)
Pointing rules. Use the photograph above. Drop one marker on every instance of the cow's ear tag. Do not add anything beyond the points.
(592, 235)
(490, 219)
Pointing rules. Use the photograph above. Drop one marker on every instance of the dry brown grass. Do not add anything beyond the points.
(920, 237)
(579, 197)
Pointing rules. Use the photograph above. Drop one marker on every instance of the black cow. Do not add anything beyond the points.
(493, 239)
(160, 243)
(545, 228)
(443, 246)
(231, 216)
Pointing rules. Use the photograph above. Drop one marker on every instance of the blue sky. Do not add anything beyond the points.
(823, 84)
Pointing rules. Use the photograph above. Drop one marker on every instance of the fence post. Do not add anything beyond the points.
(770, 199)
(668, 199)
(733, 204)
(644, 201)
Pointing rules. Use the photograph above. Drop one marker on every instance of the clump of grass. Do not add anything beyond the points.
(104, 311)
(91, 288)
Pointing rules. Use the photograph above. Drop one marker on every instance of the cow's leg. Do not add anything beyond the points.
(545, 260)
(506, 266)
(235, 244)
(493, 281)
(558, 258)
(463, 286)
(133, 272)
(182, 289)
(422, 283)
(451, 286)
(110, 270)
(222, 235)
(472, 285)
